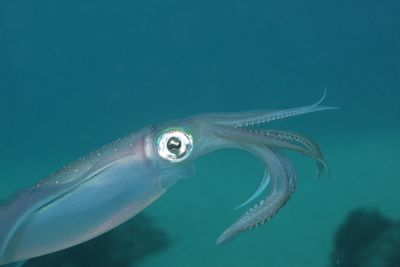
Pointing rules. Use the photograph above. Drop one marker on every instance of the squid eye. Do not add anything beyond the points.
(174, 145)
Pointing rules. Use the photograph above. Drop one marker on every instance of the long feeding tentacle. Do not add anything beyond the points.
(245, 119)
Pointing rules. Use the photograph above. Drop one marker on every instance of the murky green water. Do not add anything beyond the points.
(75, 75)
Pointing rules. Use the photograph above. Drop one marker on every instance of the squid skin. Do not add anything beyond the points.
(107, 187)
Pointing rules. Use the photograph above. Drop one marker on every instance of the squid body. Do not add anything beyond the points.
(105, 188)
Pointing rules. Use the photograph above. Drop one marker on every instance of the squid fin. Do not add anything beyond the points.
(22, 204)
(17, 209)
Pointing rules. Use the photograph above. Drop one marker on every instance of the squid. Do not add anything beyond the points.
(107, 187)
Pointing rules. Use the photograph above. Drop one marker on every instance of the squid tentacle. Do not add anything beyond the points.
(246, 119)
(273, 141)
(277, 139)
(261, 187)
(299, 143)
(306, 142)
(283, 183)
(280, 177)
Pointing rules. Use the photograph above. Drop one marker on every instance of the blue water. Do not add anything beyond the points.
(75, 75)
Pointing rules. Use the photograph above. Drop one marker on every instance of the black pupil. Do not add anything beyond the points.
(174, 144)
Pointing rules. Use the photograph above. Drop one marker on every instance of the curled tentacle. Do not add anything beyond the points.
(301, 140)
(279, 139)
(282, 185)
(297, 142)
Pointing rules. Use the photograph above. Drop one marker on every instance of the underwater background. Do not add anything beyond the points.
(75, 75)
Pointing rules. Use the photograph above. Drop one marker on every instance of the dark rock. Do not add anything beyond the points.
(127, 245)
(367, 239)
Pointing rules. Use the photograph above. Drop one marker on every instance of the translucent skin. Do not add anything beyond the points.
(82, 200)
(100, 191)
